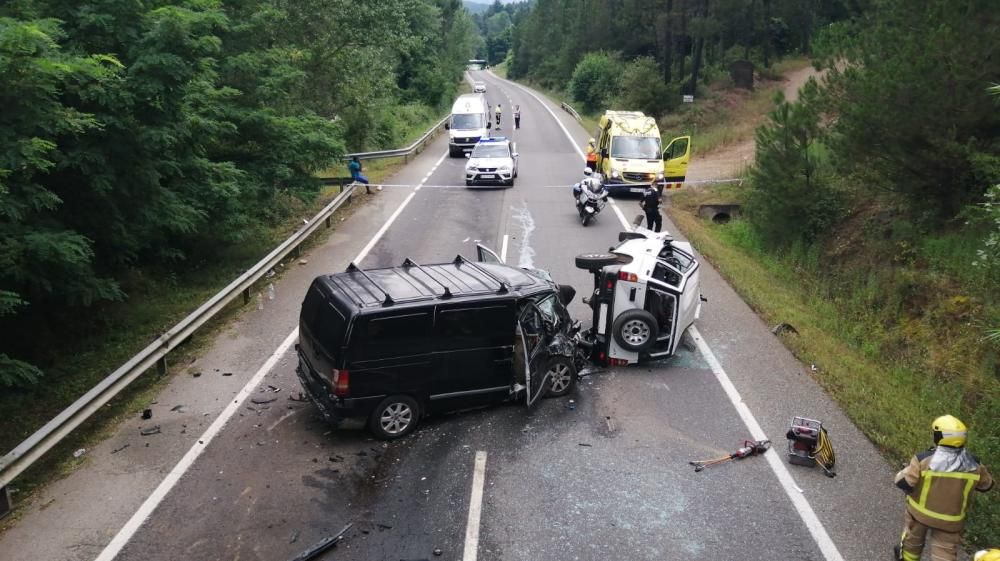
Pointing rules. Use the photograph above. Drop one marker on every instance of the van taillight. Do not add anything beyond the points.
(631, 277)
(340, 381)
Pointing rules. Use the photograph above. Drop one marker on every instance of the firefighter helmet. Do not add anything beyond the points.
(987, 555)
(949, 431)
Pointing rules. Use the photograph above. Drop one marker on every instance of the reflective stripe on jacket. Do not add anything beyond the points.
(940, 499)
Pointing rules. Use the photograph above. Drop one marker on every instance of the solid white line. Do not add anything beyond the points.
(503, 249)
(812, 522)
(561, 125)
(178, 471)
(475, 508)
(621, 216)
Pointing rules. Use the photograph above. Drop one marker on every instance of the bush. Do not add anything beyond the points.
(643, 89)
(595, 80)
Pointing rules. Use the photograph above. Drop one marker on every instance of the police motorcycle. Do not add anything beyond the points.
(590, 195)
(646, 294)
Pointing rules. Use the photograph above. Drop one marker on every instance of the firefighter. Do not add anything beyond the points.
(937, 483)
(987, 555)
(591, 155)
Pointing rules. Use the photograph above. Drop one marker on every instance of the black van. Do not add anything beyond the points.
(394, 344)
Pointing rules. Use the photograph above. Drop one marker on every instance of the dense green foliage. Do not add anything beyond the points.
(140, 135)
(904, 132)
(496, 26)
(680, 43)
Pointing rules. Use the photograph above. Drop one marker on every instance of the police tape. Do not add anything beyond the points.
(489, 186)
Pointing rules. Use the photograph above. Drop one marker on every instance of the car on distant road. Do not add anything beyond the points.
(479, 87)
(392, 345)
(493, 161)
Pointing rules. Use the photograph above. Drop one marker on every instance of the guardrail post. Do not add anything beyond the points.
(5, 502)
(296, 251)
(327, 221)
(246, 296)
(161, 366)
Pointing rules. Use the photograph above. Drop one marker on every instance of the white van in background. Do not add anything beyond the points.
(469, 121)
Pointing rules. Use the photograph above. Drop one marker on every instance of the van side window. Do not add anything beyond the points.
(665, 274)
(464, 328)
(378, 337)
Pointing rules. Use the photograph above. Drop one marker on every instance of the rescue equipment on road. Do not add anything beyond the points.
(749, 448)
(809, 445)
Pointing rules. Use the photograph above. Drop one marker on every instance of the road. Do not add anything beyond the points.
(604, 476)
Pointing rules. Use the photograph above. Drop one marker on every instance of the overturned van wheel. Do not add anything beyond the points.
(635, 330)
(595, 261)
(395, 416)
(562, 376)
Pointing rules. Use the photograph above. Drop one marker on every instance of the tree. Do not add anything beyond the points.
(791, 198)
(595, 80)
(642, 89)
(908, 94)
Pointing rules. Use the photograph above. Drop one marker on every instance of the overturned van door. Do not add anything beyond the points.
(673, 297)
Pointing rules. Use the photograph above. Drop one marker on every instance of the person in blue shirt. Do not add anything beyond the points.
(356, 175)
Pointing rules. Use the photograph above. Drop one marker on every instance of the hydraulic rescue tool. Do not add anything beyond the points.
(809, 445)
(749, 448)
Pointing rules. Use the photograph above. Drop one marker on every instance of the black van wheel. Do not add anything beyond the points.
(396, 416)
(635, 330)
(562, 376)
(595, 261)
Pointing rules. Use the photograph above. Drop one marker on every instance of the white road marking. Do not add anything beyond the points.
(178, 471)
(174, 475)
(812, 522)
(385, 227)
(475, 508)
(503, 249)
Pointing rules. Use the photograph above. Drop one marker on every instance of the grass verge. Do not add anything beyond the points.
(886, 372)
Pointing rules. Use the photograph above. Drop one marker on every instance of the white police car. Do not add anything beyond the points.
(493, 161)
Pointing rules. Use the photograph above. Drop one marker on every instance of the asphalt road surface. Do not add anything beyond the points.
(601, 475)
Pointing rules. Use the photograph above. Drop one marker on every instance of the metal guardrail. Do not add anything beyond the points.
(569, 109)
(405, 153)
(19, 459)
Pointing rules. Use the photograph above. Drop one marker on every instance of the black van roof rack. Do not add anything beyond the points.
(503, 285)
(411, 263)
(352, 268)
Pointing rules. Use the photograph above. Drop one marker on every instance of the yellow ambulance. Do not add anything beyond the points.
(630, 155)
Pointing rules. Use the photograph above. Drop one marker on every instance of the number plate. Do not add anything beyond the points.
(637, 189)
(487, 176)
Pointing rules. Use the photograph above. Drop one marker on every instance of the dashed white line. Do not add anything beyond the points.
(475, 508)
(503, 248)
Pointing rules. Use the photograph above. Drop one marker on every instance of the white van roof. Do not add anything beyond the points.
(469, 103)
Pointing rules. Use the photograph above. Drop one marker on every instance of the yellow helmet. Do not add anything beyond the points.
(949, 431)
(987, 555)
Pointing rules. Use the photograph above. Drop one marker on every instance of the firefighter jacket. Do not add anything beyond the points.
(938, 483)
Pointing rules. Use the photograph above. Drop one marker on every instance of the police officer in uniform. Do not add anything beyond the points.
(937, 484)
(650, 204)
